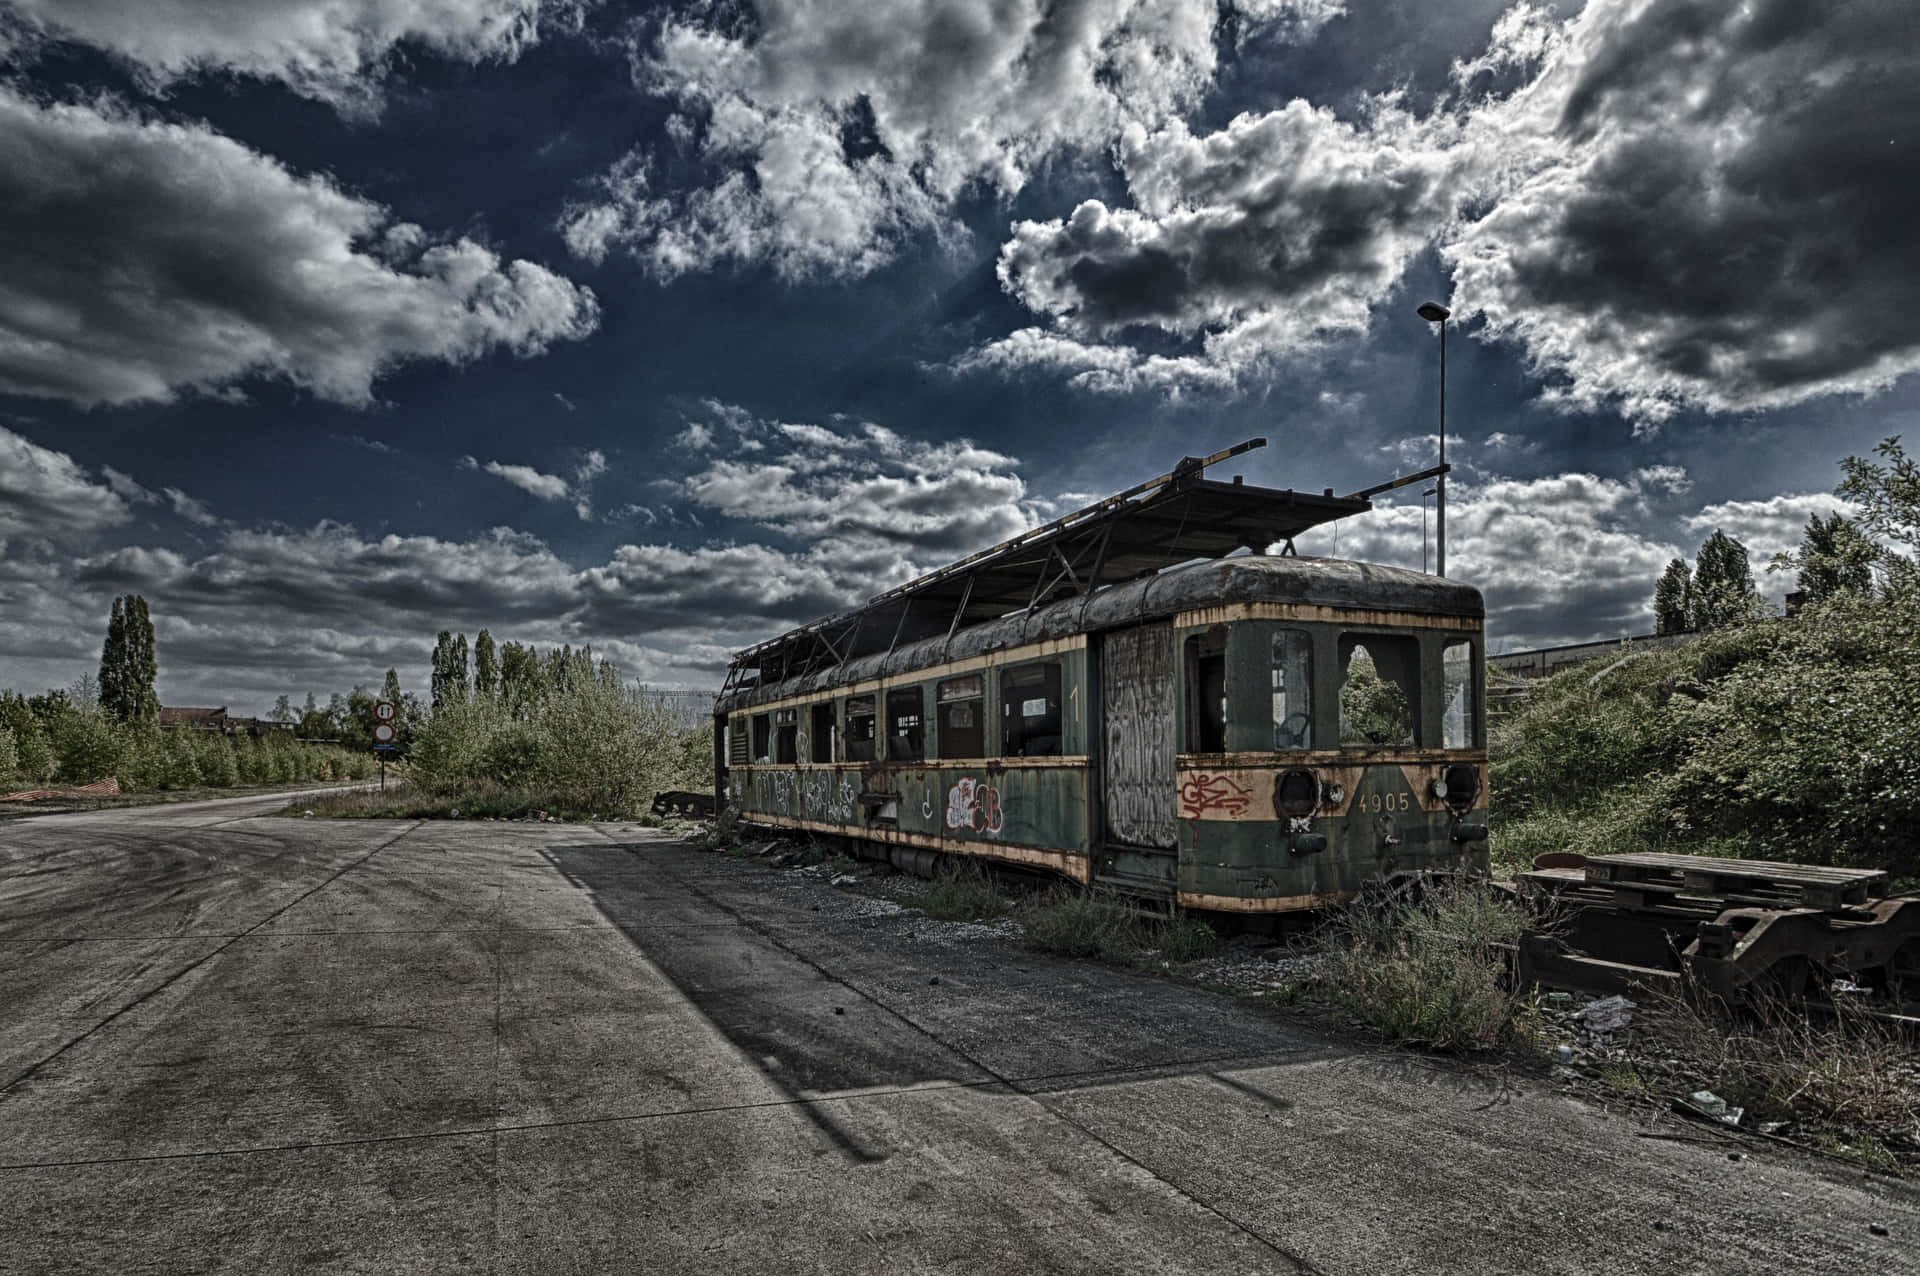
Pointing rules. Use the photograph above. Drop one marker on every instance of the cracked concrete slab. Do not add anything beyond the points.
(237, 1043)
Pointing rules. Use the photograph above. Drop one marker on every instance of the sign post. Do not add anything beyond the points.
(383, 735)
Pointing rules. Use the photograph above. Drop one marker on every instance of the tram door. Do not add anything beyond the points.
(1138, 723)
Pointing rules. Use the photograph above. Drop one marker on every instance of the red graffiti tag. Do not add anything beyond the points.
(1205, 793)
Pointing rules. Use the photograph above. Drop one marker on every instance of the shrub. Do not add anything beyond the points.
(1431, 971)
(218, 766)
(35, 757)
(86, 747)
(9, 754)
(180, 768)
(1777, 739)
(964, 894)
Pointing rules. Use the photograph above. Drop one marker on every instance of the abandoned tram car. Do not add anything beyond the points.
(1249, 734)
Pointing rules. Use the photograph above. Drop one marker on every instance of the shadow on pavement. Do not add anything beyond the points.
(823, 1008)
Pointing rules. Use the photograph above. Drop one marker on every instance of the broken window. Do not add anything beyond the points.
(1207, 692)
(906, 725)
(762, 738)
(1030, 711)
(1292, 689)
(860, 729)
(963, 730)
(786, 735)
(820, 733)
(1379, 691)
(1457, 712)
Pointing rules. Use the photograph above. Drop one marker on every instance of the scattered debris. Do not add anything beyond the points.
(1606, 1016)
(1878, 1229)
(1709, 1106)
(1558, 1001)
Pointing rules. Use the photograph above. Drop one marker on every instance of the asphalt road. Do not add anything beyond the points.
(236, 1043)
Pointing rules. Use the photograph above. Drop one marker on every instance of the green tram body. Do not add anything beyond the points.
(1084, 739)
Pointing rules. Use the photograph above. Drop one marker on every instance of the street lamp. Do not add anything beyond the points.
(1433, 312)
(1423, 524)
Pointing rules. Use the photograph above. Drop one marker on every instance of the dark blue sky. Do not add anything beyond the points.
(709, 322)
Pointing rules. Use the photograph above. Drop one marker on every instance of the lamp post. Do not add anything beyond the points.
(1423, 524)
(1433, 312)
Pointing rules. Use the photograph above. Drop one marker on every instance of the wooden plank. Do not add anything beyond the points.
(1767, 869)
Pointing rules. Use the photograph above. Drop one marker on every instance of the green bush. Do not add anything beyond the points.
(1777, 739)
(181, 766)
(86, 747)
(9, 754)
(591, 746)
(218, 766)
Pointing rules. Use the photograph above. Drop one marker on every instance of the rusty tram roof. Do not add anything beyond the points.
(1175, 518)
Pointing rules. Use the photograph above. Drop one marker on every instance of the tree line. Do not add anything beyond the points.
(1872, 555)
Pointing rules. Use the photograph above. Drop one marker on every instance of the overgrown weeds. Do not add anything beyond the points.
(409, 802)
(1431, 971)
(965, 894)
(1103, 925)
(1847, 1070)
(1083, 923)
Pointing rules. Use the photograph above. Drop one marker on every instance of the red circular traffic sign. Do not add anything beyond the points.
(383, 733)
(385, 711)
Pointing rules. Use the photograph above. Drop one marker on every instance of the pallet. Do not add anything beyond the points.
(1758, 882)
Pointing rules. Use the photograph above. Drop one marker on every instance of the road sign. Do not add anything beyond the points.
(383, 735)
(385, 711)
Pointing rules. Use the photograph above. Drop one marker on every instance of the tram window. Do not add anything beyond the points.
(762, 738)
(786, 735)
(1030, 711)
(860, 726)
(737, 733)
(963, 730)
(1206, 694)
(1379, 691)
(820, 733)
(1292, 689)
(906, 725)
(1456, 714)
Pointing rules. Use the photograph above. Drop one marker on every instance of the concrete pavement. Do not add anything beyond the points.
(237, 1043)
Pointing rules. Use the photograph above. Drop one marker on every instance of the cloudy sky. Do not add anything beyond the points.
(329, 324)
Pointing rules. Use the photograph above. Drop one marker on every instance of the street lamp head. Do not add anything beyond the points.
(1429, 492)
(1433, 312)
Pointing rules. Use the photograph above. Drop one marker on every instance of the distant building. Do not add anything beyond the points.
(1546, 661)
(216, 720)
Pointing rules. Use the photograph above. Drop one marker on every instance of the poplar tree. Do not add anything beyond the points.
(1673, 599)
(442, 669)
(390, 690)
(143, 661)
(486, 670)
(1723, 589)
(113, 663)
(460, 683)
(128, 666)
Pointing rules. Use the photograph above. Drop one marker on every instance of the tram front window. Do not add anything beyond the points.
(1379, 691)
(1292, 689)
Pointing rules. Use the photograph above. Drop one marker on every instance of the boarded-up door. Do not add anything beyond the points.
(1137, 703)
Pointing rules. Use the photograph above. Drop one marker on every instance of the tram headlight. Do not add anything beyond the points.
(1458, 786)
(1296, 793)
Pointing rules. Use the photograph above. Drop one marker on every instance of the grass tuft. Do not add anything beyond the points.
(965, 894)
(1085, 923)
(1431, 971)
